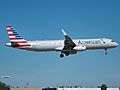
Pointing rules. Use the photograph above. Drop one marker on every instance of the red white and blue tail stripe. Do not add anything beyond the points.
(15, 39)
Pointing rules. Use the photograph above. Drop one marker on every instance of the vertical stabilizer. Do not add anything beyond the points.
(16, 39)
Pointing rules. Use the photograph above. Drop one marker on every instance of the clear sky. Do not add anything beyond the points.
(43, 19)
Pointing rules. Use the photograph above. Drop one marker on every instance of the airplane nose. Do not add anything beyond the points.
(116, 44)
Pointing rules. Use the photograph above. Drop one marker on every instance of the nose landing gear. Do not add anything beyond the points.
(106, 52)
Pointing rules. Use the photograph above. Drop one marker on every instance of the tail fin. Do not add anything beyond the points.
(15, 39)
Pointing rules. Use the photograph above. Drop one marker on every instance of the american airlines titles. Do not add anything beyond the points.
(89, 42)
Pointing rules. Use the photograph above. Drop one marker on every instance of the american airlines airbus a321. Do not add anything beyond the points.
(66, 47)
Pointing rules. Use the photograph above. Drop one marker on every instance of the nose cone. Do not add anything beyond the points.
(115, 44)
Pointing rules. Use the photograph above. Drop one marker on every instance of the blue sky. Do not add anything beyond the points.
(43, 19)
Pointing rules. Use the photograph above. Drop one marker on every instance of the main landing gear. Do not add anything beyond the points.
(62, 55)
(106, 52)
(67, 53)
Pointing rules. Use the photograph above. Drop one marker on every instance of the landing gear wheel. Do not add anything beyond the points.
(61, 55)
(106, 52)
(67, 53)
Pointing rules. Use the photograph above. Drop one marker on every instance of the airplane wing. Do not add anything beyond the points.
(68, 43)
(69, 46)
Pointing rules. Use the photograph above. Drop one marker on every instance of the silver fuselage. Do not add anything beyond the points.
(52, 45)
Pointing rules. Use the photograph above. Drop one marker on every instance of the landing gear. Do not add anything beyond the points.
(106, 52)
(67, 53)
(61, 55)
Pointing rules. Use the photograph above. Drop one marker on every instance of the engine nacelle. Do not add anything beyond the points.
(80, 48)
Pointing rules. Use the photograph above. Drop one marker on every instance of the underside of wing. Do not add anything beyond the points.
(68, 43)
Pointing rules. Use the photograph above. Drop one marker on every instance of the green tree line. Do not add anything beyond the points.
(3, 86)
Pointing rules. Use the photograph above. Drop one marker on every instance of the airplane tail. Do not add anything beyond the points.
(15, 38)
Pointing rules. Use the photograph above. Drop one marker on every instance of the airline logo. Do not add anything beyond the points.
(15, 39)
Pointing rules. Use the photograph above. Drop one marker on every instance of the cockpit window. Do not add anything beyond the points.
(103, 41)
(112, 41)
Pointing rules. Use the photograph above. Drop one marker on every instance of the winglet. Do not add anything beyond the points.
(63, 32)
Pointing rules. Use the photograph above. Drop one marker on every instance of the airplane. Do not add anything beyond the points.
(6, 77)
(65, 47)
